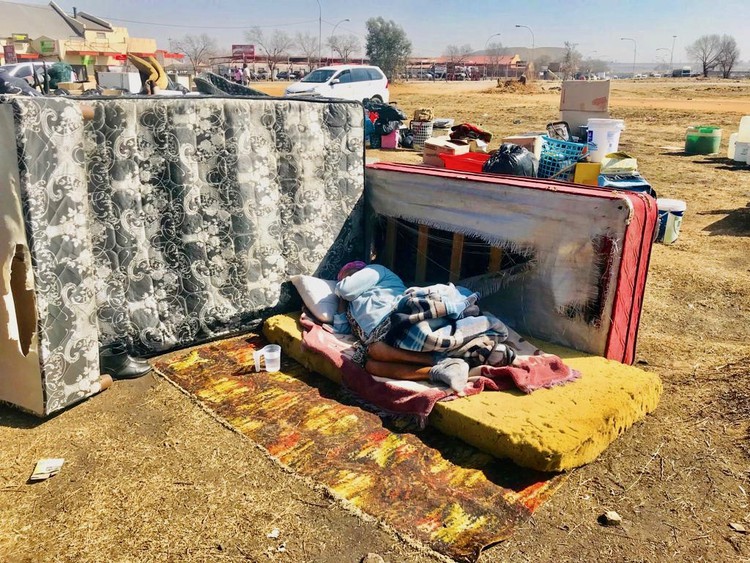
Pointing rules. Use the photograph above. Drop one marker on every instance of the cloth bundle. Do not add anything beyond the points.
(469, 131)
(446, 320)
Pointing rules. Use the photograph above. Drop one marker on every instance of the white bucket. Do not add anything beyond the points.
(670, 219)
(603, 137)
(741, 151)
(732, 145)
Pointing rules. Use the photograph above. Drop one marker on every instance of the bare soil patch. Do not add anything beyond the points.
(150, 477)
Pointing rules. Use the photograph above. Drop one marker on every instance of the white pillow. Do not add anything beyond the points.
(318, 296)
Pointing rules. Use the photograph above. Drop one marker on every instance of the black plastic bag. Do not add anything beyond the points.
(386, 112)
(512, 159)
(383, 127)
(407, 138)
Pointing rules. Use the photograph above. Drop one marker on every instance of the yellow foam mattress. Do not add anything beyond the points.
(550, 429)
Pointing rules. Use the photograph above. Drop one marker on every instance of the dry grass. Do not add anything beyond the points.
(150, 477)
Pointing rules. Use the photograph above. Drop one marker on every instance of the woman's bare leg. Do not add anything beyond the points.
(408, 372)
(382, 352)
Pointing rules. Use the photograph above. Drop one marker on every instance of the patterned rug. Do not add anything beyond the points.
(432, 488)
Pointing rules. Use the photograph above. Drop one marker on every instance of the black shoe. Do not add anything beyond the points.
(115, 361)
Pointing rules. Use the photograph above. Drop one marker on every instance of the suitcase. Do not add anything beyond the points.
(564, 263)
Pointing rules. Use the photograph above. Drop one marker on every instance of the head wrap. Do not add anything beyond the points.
(356, 265)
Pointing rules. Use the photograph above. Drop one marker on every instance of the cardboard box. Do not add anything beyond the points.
(585, 95)
(437, 145)
(433, 160)
(532, 143)
(77, 87)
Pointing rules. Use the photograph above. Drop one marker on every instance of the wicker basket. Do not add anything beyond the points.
(422, 131)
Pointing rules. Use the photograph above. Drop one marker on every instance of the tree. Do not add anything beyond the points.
(494, 52)
(387, 45)
(571, 60)
(458, 55)
(308, 46)
(595, 65)
(705, 50)
(274, 46)
(344, 45)
(197, 48)
(729, 53)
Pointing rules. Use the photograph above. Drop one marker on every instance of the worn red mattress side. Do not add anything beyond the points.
(635, 251)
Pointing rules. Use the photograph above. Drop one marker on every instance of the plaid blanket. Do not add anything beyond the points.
(445, 319)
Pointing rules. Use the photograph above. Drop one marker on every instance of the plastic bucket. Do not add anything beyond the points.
(603, 137)
(670, 219)
(703, 139)
(741, 151)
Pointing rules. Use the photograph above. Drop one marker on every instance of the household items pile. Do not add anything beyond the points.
(386, 121)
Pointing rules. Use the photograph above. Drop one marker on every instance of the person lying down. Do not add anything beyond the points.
(435, 333)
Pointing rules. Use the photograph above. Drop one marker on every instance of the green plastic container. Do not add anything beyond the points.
(702, 139)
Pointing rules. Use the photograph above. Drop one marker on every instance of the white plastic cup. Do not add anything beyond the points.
(271, 355)
(670, 219)
(603, 137)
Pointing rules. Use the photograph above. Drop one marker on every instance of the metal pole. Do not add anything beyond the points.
(533, 42)
(320, 29)
(635, 49)
(485, 50)
(671, 55)
(334, 31)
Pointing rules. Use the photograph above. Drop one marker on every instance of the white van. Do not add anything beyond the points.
(348, 82)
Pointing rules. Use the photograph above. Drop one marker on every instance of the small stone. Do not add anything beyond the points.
(273, 534)
(610, 518)
(372, 558)
(739, 528)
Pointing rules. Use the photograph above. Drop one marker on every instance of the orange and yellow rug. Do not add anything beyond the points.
(433, 488)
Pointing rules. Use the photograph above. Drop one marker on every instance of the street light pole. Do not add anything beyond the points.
(334, 31)
(485, 50)
(635, 49)
(532, 41)
(320, 29)
(671, 54)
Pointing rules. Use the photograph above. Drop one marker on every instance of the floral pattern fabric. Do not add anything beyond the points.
(203, 208)
(52, 189)
(167, 221)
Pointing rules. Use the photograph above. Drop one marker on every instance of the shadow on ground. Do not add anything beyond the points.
(736, 223)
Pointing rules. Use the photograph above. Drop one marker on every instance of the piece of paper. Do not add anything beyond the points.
(46, 468)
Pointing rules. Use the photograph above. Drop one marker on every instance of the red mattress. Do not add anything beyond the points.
(625, 250)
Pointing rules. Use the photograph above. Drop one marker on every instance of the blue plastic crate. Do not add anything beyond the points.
(557, 155)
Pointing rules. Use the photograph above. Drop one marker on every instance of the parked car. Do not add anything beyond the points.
(24, 70)
(347, 82)
(283, 75)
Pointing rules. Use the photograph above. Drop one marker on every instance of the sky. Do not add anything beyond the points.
(431, 25)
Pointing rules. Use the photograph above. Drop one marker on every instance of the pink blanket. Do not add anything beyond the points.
(417, 398)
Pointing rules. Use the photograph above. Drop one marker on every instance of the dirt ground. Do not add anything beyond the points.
(149, 476)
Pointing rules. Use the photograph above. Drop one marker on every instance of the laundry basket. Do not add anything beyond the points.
(558, 155)
(422, 131)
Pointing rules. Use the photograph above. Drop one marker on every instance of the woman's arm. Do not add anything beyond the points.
(353, 286)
